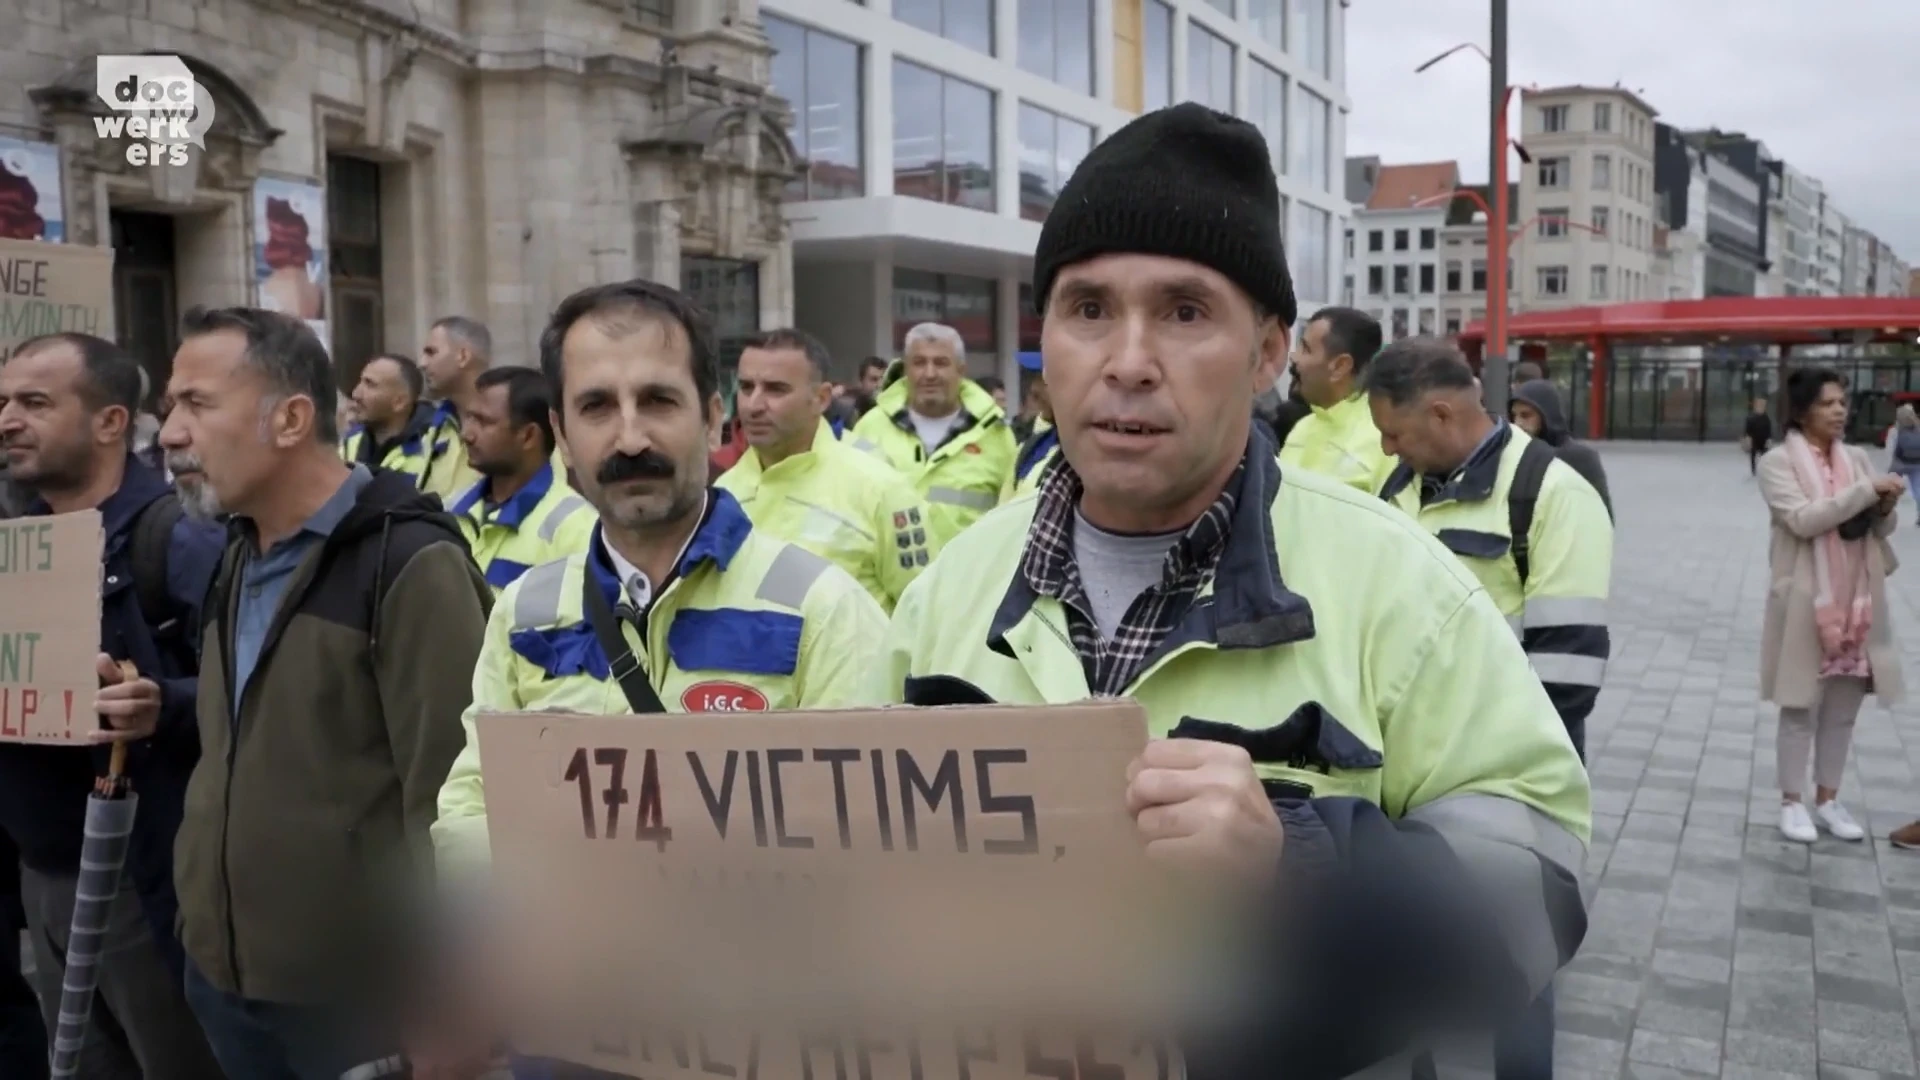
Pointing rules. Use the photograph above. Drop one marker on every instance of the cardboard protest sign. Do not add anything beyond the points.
(53, 288)
(977, 867)
(49, 627)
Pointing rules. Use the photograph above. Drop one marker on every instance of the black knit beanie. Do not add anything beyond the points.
(1185, 182)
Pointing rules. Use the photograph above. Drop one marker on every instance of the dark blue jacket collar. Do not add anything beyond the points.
(518, 505)
(1251, 606)
(1035, 449)
(139, 486)
(717, 540)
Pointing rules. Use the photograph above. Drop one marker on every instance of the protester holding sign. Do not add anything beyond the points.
(1381, 757)
(346, 618)
(67, 408)
(679, 604)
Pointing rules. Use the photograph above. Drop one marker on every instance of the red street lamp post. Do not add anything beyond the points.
(1497, 284)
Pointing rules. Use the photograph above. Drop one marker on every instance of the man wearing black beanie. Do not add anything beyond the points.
(1341, 716)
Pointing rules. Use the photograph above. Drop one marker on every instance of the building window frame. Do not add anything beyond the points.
(956, 186)
(1553, 118)
(1058, 22)
(1156, 49)
(1551, 280)
(1551, 173)
(1205, 50)
(1553, 223)
(806, 186)
(1058, 165)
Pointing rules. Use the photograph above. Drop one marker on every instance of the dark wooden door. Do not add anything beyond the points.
(146, 316)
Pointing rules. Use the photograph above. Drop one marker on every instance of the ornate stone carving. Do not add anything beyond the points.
(727, 164)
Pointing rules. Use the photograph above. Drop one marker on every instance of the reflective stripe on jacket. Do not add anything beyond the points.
(1436, 812)
(1340, 442)
(963, 478)
(1561, 616)
(746, 623)
(447, 473)
(843, 505)
(540, 523)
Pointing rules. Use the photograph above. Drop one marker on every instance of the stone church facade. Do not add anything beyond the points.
(382, 163)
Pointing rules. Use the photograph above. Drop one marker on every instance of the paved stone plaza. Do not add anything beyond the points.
(1716, 948)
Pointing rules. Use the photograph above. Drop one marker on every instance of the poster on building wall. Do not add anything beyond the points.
(290, 250)
(30, 204)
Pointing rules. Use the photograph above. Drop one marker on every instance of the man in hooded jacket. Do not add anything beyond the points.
(1535, 408)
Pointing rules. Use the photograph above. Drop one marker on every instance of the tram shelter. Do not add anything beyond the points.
(1690, 369)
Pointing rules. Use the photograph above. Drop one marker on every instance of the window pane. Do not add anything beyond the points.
(1157, 28)
(1311, 271)
(1036, 37)
(1073, 44)
(1072, 141)
(1312, 33)
(916, 131)
(969, 22)
(1223, 6)
(1269, 17)
(924, 14)
(1267, 108)
(1310, 139)
(820, 75)
(969, 304)
(917, 297)
(968, 145)
(1037, 183)
(1209, 69)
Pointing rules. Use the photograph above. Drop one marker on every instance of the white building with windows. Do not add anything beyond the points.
(1587, 203)
(1793, 232)
(937, 133)
(1830, 251)
(1394, 257)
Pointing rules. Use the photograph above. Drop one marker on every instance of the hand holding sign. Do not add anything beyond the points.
(130, 706)
(1200, 803)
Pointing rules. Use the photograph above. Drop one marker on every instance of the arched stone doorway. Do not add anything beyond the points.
(179, 233)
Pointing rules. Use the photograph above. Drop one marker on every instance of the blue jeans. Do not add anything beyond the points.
(261, 1040)
(1913, 483)
(1523, 1050)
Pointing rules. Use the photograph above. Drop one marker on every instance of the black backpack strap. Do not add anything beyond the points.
(1522, 493)
(152, 543)
(627, 671)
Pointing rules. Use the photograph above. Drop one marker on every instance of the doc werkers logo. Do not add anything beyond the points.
(163, 107)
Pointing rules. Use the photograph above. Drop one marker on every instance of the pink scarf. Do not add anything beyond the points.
(1842, 598)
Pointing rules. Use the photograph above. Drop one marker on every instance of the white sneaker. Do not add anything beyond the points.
(1838, 821)
(1795, 825)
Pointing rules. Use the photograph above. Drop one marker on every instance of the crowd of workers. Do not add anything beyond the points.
(1390, 604)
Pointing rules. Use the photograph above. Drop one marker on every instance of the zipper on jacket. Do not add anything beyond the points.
(231, 604)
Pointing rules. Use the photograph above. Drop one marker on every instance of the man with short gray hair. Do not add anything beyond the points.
(457, 351)
(345, 621)
(941, 430)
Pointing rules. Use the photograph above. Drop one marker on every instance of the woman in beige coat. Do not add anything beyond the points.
(1828, 639)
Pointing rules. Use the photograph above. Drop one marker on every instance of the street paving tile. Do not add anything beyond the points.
(1717, 948)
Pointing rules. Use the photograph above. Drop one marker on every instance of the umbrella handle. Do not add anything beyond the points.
(117, 760)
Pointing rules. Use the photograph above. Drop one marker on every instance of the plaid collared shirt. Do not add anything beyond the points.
(1050, 569)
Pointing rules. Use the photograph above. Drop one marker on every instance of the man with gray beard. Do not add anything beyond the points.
(344, 623)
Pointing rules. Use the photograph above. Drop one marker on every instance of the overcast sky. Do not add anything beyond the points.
(1833, 88)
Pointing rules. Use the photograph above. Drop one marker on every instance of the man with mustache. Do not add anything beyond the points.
(756, 623)
(1344, 723)
(67, 408)
(345, 620)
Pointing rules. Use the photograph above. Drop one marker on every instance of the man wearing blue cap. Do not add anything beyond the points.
(1039, 442)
